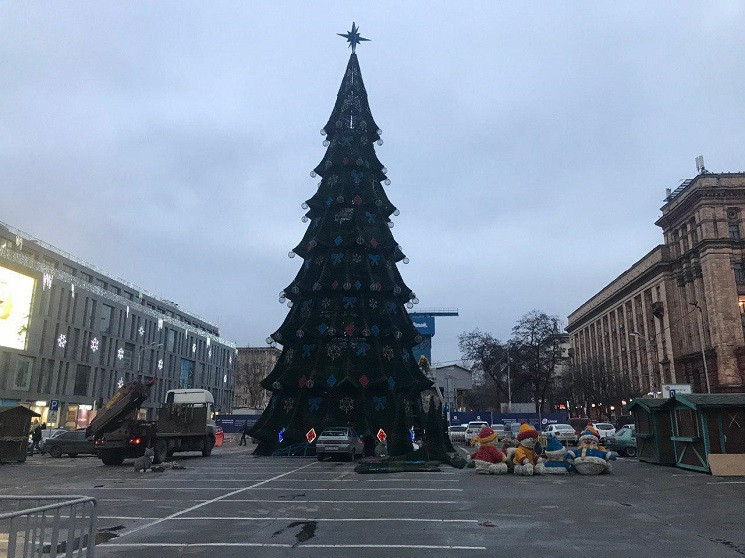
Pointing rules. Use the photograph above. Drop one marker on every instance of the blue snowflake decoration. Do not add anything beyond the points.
(406, 355)
(391, 307)
(281, 435)
(370, 217)
(379, 402)
(331, 380)
(307, 303)
(349, 302)
(346, 141)
(314, 403)
(336, 258)
(374, 259)
(362, 349)
(356, 176)
(307, 349)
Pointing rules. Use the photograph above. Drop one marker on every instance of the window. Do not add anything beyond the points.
(106, 314)
(739, 270)
(129, 349)
(171, 341)
(24, 367)
(734, 231)
(82, 376)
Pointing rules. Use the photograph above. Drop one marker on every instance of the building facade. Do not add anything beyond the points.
(254, 364)
(455, 383)
(71, 335)
(683, 300)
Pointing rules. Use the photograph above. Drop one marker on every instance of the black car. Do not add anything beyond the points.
(72, 443)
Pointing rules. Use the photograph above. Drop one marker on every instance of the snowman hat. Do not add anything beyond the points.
(485, 436)
(553, 444)
(526, 431)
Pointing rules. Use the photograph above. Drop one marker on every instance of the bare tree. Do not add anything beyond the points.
(596, 382)
(538, 351)
(488, 355)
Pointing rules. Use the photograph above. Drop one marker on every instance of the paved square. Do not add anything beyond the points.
(233, 504)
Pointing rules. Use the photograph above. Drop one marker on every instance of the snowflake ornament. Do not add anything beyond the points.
(334, 351)
(141, 331)
(346, 404)
(94, 344)
(120, 353)
(62, 340)
(160, 364)
(388, 352)
(160, 324)
(288, 404)
(47, 281)
(120, 383)
(193, 347)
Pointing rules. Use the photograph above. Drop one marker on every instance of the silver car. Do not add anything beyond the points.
(564, 433)
(339, 440)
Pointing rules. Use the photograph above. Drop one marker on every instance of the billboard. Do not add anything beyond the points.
(16, 292)
(425, 325)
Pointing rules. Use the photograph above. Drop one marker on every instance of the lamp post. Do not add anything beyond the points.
(701, 339)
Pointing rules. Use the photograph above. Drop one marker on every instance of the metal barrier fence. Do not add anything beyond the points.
(65, 526)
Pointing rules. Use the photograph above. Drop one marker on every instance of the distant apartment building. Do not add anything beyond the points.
(455, 382)
(651, 320)
(71, 334)
(254, 364)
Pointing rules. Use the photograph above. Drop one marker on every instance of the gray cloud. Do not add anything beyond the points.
(529, 148)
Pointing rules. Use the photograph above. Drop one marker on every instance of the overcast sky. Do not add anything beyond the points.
(529, 147)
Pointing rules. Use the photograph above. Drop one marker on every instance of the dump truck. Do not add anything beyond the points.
(185, 422)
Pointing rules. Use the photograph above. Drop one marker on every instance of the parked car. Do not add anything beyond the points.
(45, 435)
(219, 435)
(623, 441)
(501, 431)
(473, 428)
(72, 443)
(339, 440)
(513, 429)
(457, 433)
(623, 420)
(564, 433)
(605, 429)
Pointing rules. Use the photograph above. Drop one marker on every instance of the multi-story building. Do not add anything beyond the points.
(455, 382)
(254, 364)
(684, 299)
(71, 334)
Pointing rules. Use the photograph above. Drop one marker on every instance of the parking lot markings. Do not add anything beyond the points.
(396, 488)
(207, 502)
(301, 545)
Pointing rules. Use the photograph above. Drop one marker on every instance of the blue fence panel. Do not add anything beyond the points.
(539, 421)
(233, 424)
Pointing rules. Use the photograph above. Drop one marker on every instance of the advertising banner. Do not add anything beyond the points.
(16, 291)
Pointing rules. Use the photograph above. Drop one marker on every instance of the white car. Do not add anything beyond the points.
(473, 428)
(457, 433)
(564, 433)
(605, 429)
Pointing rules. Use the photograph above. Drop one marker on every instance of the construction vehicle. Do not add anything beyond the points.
(185, 423)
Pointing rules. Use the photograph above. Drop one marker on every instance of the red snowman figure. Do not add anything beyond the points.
(488, 460)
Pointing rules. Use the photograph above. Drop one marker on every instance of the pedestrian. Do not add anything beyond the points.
(244, 433)
(36, 439)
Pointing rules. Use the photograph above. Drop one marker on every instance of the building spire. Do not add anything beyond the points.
(353, 37)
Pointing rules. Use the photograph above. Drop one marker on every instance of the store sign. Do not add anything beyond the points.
(669, 390)
(16, 291)
(425, 325)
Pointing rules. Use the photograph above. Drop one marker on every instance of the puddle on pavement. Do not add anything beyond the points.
(307, 531)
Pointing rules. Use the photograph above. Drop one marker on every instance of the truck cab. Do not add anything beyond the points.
(192, 397)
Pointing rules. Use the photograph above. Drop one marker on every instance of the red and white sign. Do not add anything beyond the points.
(311, 435)
(382, 435)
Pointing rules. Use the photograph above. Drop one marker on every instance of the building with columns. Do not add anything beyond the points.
(649, 323)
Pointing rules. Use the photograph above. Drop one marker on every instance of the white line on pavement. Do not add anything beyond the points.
(346, 501)
(301, 545)
(727, 482)
(396, 488)
(201, 504)
(267, 518)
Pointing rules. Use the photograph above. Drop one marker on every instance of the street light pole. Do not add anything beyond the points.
(509, 384)
(701, 340)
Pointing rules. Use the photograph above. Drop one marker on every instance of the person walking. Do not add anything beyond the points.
(244, 433)
(36, 439)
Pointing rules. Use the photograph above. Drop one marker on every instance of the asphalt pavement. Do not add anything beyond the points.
(234, 504)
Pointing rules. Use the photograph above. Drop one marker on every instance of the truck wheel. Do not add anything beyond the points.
(112, 458)
(630, 452)
(161, 452)
(55, 451)
(209, 443)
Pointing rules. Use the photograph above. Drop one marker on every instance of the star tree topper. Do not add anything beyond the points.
(353, 37)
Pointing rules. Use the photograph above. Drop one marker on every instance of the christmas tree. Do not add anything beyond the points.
(347, 340)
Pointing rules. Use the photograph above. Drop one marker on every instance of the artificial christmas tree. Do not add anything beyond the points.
(347, 340)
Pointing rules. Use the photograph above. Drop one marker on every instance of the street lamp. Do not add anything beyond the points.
(701, 338)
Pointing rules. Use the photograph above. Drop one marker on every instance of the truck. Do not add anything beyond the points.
(185, 422)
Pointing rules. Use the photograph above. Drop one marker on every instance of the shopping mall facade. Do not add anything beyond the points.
(71, 334)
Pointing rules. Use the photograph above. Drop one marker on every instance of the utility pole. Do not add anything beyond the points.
(701, 340)
(509, 383)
